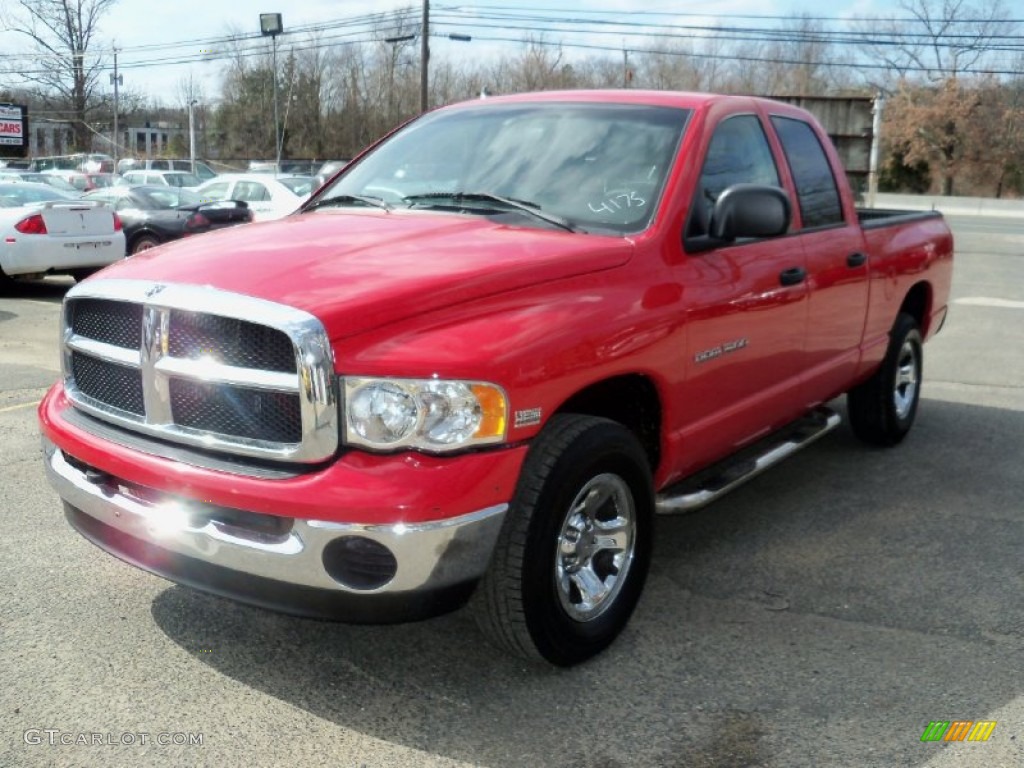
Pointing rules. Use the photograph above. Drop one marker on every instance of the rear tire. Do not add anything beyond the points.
(882, 409)
(143, 243)
(572, 557)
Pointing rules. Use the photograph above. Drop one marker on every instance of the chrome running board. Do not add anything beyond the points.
(710, 484)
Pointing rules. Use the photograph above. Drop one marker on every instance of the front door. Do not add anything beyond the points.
(746, 306)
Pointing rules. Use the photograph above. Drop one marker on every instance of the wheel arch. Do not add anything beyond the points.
(918, 304)
(629, 399)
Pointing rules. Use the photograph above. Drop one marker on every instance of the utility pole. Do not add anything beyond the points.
(876, 137)
(424, 55)
(115, 79)
(277, 120)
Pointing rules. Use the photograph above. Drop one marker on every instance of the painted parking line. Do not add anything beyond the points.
(18, 407)
(989, 301)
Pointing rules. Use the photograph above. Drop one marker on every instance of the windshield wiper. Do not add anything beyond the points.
(376, 202)
(523, 206)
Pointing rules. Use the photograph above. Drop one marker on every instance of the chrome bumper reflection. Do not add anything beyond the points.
(429, 555)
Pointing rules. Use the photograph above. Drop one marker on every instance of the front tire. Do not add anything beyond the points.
(883, 408)
(573, 555)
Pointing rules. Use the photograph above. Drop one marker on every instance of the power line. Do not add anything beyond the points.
(753, 16)
(371, 28)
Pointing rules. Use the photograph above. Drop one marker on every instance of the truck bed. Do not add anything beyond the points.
(873, 218)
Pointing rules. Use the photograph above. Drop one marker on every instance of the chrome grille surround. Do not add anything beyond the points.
(314, 382)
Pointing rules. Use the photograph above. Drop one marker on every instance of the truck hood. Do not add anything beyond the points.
(358, 270)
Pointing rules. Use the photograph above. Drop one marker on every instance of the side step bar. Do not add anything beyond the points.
(706, 486)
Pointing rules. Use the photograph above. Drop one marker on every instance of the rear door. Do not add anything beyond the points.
(746, 305)
(837, 262)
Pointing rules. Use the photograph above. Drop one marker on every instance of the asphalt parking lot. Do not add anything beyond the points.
(822, 615)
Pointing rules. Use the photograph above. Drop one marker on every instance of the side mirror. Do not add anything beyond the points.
(750, 210)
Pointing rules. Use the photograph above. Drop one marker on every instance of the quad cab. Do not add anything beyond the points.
(477, 362)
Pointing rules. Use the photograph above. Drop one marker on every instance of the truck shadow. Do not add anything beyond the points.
(821, 615)
(50, 289)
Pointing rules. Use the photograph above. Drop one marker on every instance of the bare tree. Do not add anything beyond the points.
(61, 65)
(938, 40)
(671, 67)
(942, 103)
(188, 91)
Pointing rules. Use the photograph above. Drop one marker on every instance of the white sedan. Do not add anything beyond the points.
(268, 197)
(43, 231)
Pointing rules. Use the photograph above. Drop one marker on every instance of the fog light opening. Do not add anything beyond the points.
(359, 563)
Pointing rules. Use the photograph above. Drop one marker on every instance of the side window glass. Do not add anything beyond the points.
(820, 205)
(739, 153)
(218, 191)
(251, 192)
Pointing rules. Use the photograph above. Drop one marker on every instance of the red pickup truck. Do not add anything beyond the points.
(475, 364)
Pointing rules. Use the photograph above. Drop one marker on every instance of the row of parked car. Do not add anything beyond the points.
(125, 213)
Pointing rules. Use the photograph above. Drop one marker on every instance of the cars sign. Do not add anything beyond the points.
(12, 125)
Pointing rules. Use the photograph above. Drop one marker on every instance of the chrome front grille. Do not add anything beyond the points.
(194, 335)
(188, 364)
(229, 410)
(120, 386)
(111, 322)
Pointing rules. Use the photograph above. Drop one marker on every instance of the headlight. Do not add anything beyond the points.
(424, 414)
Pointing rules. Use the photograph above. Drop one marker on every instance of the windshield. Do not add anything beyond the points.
(600, 167)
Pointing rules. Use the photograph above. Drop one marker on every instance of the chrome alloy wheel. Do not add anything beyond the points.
(595, 547)
(905, 391)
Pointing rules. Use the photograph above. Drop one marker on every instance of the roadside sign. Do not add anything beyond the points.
(13, 130)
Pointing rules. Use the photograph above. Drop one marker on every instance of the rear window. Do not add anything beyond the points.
(820, 204)
(299, 186)
(251, 192)
(20, 194)
(215, 191)
(172, 197)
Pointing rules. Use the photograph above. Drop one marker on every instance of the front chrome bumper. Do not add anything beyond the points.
(436, 564)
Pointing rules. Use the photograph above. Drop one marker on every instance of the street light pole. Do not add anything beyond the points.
(424, 56)
(115, 80)
(270, 24)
